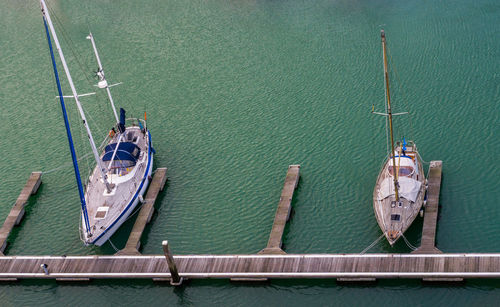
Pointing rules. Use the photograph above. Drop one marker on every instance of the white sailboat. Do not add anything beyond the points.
(123, 169)
(399, 192)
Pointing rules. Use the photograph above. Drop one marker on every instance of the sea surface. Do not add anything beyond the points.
(235, 91)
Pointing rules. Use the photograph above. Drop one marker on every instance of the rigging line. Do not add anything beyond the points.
(76, 57)
(54, 84)
(373, 244)
(82, 133)
(405, 101)
(386, 117)
(65, 165)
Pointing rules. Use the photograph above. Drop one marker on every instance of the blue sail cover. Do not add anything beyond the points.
(126, 151)
(121, 125)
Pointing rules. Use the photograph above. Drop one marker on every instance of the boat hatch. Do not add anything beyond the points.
(398, 203)
(395, 217)
(404, 171)
(131, 137)
(101, 213)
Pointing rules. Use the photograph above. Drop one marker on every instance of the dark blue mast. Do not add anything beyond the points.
(68, 131)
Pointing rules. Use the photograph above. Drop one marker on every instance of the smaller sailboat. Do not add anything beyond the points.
(399, 192)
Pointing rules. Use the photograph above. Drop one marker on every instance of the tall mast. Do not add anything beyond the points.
(102, 80)
(101, 167)
(389, 113)
(68, 131)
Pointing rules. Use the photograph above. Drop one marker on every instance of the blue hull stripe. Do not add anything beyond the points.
(136, 193)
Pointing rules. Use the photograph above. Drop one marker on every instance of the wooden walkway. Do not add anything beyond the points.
(17, 212)
(427, 263)
(283, 212)
(416, 266)
(134, 241)
(428, 241)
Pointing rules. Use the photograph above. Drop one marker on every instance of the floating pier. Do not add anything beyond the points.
(414, 266)
(283, 212)
(428, 241)
(134, 241)
(17, 212)
(427, 263)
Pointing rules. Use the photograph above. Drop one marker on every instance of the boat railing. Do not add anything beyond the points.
(135, 121)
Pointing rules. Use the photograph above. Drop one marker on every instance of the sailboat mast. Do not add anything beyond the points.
(389, 112)
(102, 79)
(68, 130)
(102, 169)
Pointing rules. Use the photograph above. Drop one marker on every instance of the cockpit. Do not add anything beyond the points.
(124, 159)
(405, 165)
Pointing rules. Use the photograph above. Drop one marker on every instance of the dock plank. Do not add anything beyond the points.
(17, 211)
(428, 241)
(431, 267)
(134, 241)
(282, 212)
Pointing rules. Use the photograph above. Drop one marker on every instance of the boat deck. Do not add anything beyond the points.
(395, 217)
(104, 209)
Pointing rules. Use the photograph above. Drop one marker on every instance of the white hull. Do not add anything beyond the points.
(107, 212)
(394, 218)
(125, 216)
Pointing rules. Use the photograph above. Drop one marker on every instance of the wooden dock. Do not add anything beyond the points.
(428, 241)
(414, 266)
(283, 212)
(428, 263)
(134, 241)
(17, 212)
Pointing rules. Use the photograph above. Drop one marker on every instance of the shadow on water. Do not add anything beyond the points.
(28, 208)
(482, 284)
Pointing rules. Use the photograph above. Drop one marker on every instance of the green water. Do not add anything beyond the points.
(235, 91)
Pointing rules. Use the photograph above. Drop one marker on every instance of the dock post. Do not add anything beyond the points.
(176, 280)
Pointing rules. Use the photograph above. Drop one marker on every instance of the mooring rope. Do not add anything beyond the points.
(136, 210)
(372, 245)
(408, 242)
(113, 246)
(422, 159)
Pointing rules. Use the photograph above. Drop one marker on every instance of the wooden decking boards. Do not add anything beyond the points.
(17, 211)
(416, 266)
(428, 241)
(427, 263)
(283, 212)
(144, 217)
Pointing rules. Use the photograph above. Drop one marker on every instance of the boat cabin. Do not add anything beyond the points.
(405, 164)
